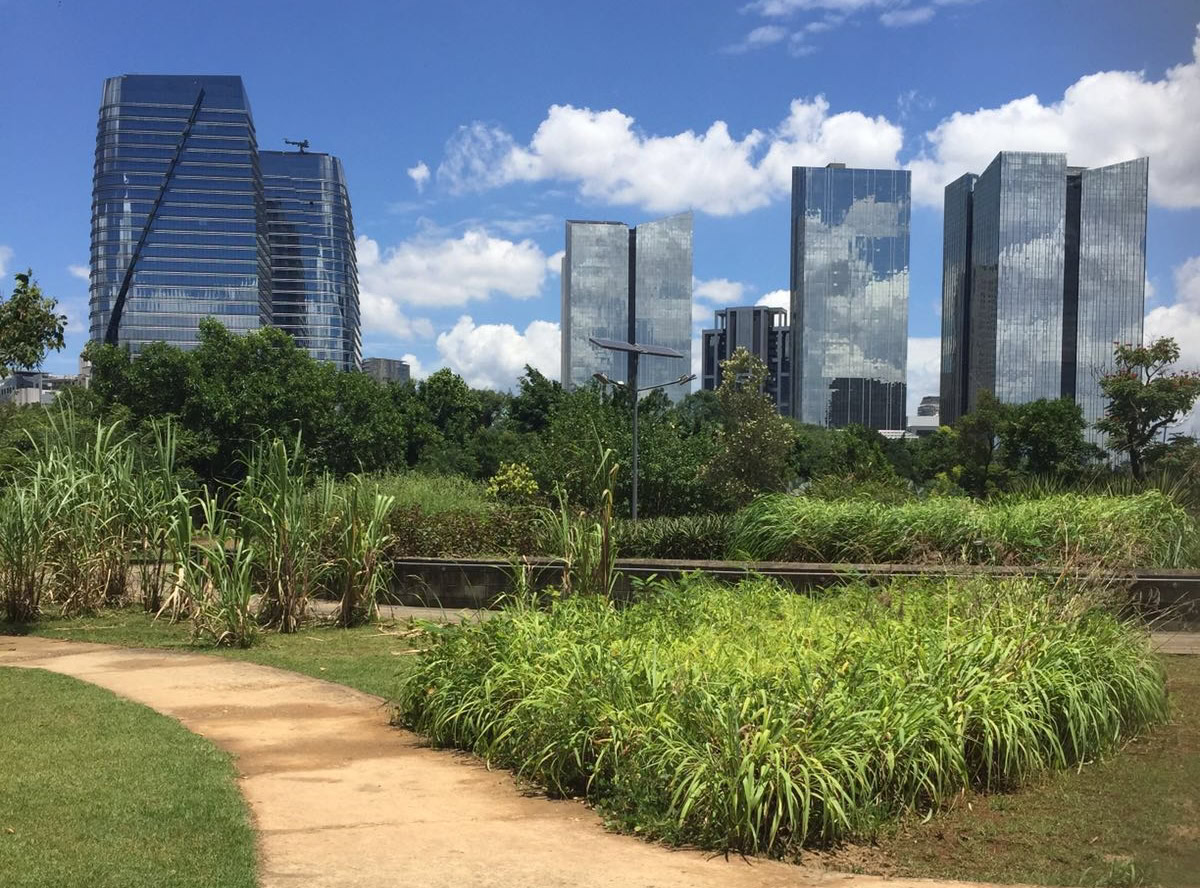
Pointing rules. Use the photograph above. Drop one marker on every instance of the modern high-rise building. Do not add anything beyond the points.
(849, 293)
(314, 274)
(179, 231)
(1044, 268)
(183, 228)
(631, 285)
(761, 330)
(387, 370)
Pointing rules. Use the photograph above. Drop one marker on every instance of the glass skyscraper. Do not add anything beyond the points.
(1043, 269)
(849, 292)
(314, 277)
(632, 285)
(181, 149)
(184, 228)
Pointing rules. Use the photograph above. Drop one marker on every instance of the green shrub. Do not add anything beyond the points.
(693, 537)
(513, 483)
(434, 494)
(754, 719)
(500, 530)
(1146, 530)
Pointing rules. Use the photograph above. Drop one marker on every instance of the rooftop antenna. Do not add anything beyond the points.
(301, 144)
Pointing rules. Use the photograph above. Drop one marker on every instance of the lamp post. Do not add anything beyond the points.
(635, 351)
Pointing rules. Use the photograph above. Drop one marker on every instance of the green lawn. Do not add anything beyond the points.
(1133, 819)
(369, 658)
(98, 791)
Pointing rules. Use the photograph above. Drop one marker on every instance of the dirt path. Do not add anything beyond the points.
(342, 799)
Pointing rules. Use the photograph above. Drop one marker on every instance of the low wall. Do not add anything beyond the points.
(479, 582)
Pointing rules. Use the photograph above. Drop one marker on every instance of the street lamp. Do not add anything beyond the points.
(635, 351)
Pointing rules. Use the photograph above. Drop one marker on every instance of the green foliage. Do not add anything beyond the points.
(221, 571)
(583, 542)
(754, 442)
(28, 326)
(690, 537)
(359, 573)
(837, 713)
(1144, 396)
(514, 483)
(1145, 530)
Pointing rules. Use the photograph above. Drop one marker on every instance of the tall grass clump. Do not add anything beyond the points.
(695, 537)
(754, 719)
(358, 571)
(1144, 530)
(220, 573)
(26, 541)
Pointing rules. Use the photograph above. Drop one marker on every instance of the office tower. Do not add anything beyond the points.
(1043, 269)
(849, 291)
(926, 422)
(189, 220)
(314, 275)
(178, 226)
(387, 370)
(764, 332)
(632, 285)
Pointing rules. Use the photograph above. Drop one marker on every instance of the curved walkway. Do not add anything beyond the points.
(342, 799)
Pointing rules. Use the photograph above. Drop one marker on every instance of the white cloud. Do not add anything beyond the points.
(614, 162)
(1181, 321)
(924, 369)
(415, 369)
(6, 255)
(719, 291)
(80, 271)
(763, 35)
(1102, 118)
(419, 174)
(435, 271)
(554, 262)
(902, 18)
(494, 355)
(777, 299)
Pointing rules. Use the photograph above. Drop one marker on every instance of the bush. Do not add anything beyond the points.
(696, 537)
(499, 530)
(1146, 530)
(836, 713)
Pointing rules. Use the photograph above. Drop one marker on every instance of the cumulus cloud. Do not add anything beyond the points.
(494, 355)
(432, 270)
(777, 299)
(419, 174)
(6, 255)
(554, 262)
(79, 271)
(612, 161)
(1102, 118)
(416, 370)
(1180, 320)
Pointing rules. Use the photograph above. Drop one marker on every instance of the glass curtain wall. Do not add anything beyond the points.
(206, 253)
(595, 300)
(662, 296)
(956, 289)
(849, 286)
(314, 279)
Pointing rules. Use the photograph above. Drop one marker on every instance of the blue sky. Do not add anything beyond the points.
(470, 130)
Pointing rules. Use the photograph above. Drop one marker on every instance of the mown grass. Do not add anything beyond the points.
(751, 718)
(368, 658)
(99, 791)
(1145, 530)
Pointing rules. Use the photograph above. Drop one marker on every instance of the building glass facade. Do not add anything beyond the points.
(631, 285)
(314, 278)
(1056, 276)
(762, 331)
(1112, 274)
(849, 295)
(1018, 252)
(206, 252)
(956, 289)
(661, 254)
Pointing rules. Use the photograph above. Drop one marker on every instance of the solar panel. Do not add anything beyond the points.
(617, 345)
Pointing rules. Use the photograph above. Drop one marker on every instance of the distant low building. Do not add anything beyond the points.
(387, 369)
(926, 422)
(33, 387)
(764, 332)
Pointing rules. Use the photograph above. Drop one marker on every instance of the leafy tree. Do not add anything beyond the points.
(1045, 438)
(1144, 396)
(977, 436)
(535, 402)
(754, 444)
(29, 326)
